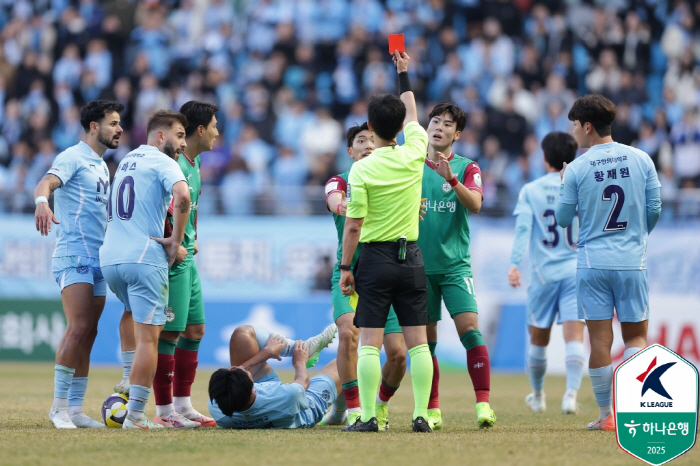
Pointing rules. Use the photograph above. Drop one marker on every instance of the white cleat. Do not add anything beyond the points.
(319, 342)
(331, 418)
(143, 423)
(538, 405)
(569, 405)
(60, 418)
(177, 420)
(82, 420)
(123, 387)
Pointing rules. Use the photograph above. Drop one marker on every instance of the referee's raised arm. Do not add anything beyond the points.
(383, 199)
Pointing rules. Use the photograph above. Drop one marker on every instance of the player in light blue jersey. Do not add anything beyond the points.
(249, 394)
(552, 289)
(135, 257)
(616, 190)
(80, 180)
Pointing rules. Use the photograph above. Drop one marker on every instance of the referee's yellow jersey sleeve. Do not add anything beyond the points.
(357, 193)
(416, 140)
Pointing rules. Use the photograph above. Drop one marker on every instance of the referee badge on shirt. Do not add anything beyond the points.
(477, 179)
(446, 188)
(169, 314)
(348, 193)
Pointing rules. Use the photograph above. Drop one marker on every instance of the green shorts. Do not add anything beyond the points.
(457, 291)
(185, 305)
(341, 305)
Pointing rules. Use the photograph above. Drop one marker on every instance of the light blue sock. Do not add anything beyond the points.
(62, 378)
(601, 379)
(536, 366)
(631, 351)
(127, 359)
(575, 362)
(77, 390)
(262, 335)
(138, 397)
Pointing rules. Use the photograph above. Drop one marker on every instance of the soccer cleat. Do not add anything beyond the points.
(538, 405)
(569, 405)
(359, 426)
(421, 425)
(60, 418)
(123, 387)
(485, 417)
(195, 416)
(435, 419)
(383, 416)
(82, 420)
(319, 342)
(330, 418)
(143, 423)
(603, 424)
(353, 416)
(176, 420)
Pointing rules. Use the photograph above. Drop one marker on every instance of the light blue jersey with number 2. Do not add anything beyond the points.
(552, 248)
(609, 184)
(138, 202)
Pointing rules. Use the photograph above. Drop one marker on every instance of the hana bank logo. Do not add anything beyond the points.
(651, 380)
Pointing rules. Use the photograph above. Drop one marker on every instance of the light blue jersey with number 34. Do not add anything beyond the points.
(138, 202)
(610, 183)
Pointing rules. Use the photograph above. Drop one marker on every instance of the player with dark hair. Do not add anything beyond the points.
(452, 186)
(616, 189)
(179, 341)
(383, 195)
(552, 290)
(360, 144)
(81, 216)
(135, 257)
(249, 395)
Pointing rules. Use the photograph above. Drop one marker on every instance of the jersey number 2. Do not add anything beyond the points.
(613, 224)
(125, 207)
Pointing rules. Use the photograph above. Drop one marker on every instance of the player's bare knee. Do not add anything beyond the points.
(243, 332)
(195, 332)
(349, 336)
(396, 357)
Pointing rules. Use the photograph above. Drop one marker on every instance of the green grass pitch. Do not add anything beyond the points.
(520, 437)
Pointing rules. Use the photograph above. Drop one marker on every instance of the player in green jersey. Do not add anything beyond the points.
(360, 144)
(179, 341)
(452, 186)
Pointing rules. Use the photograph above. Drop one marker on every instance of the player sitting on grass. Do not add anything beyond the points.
(360, 142)
(249, 395)
(552, 289)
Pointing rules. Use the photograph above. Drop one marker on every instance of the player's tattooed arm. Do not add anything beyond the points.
(53, 181)
(43, 216)
(184, 206)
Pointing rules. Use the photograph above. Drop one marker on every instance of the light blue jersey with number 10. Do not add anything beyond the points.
(609, 183)
(552, 248)
(138, 202)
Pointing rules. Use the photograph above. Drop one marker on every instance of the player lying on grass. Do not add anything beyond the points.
(552, 289)
(249, 395)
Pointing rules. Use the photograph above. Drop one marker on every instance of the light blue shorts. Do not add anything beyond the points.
(601, 293)
(549, 300)
(68, 270)
(142, 288)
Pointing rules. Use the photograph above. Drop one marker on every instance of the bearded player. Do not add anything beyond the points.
(360, 144)
(452, 186)
(179, 341)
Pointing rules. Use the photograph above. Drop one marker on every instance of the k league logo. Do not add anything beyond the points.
(656, 405)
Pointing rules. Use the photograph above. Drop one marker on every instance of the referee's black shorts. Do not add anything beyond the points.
(382, 280)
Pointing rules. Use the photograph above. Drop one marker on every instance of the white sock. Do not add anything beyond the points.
(605, 411)
(135, 415)
(59, 403)
(182, 404)
(164, 410)
(570, 393)
(355, 410)
(73, 410)
(631, 351)
(380, 402)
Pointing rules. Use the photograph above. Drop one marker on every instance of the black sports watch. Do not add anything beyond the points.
(344, 267)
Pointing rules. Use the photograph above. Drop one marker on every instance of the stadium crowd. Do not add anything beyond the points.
(291, 76)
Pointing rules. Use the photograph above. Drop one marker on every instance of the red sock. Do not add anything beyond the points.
(434, 402)
(163, 380)
(386, 392)
(480, 372)
(185, 370)
(352, 397)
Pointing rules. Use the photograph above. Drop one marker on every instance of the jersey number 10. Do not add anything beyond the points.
(126, 196)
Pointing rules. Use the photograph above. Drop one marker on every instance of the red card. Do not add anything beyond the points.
(396, 42)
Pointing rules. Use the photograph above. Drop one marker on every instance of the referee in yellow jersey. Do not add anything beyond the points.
(383, 199)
